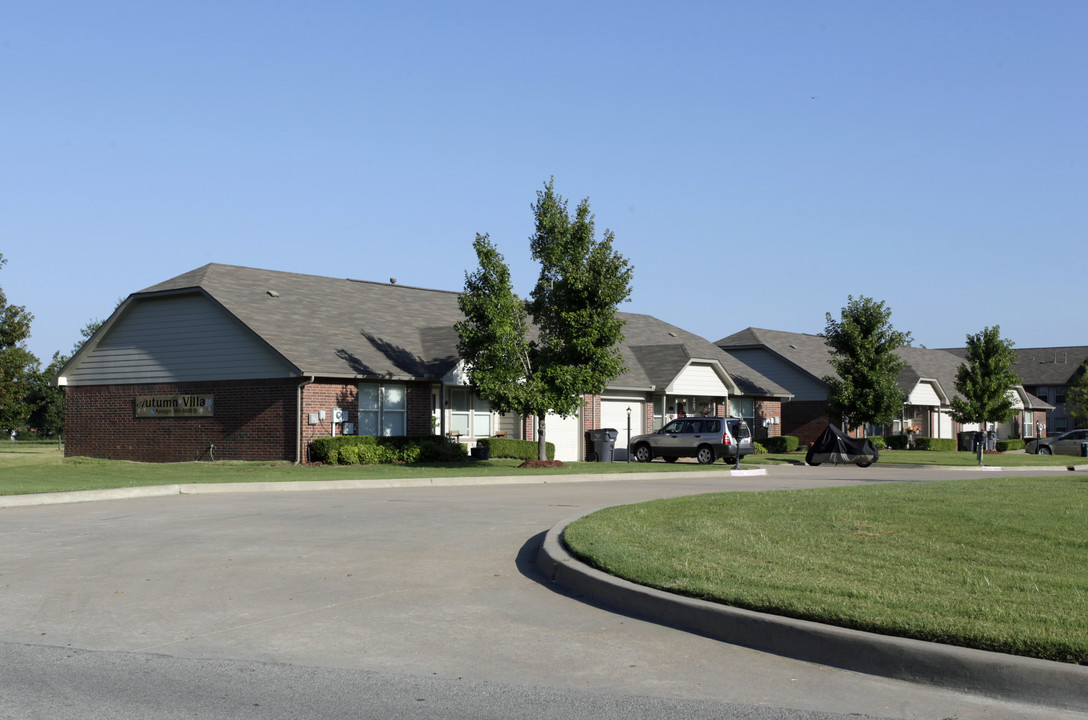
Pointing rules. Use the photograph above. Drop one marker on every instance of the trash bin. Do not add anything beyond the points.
(965, 441)
(1084, 449)
(604, 443)
(991, 440)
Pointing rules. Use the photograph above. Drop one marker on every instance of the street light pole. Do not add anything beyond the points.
(628, 433)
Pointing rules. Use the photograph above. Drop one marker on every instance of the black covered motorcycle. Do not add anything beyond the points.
(837, 447)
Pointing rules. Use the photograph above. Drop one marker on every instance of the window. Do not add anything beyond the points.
(481, 417)
(470, 414)
(1059, 396)
(1042, 392)
(383, 409)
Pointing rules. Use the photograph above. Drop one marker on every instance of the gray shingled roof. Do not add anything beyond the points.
(1044, 366)
(655, 352)
(333, 327)
(807, 352)
(811, 354)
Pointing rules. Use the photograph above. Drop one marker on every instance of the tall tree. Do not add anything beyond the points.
(17, 364)
(863, 344)
(985, 382)
(1076, 397)
(46, 403)
(573, 307)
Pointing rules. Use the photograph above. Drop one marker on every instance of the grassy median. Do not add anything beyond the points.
(998, 564)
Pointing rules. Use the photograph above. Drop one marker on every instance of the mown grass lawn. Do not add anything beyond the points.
(36, 467)
(939, 457)
(28, 467)
(998, 564)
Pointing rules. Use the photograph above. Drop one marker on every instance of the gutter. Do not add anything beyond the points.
(298, 418)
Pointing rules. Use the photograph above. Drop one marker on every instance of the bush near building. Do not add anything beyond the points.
(371, 450)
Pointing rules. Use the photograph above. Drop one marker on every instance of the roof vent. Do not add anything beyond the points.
(672, 334)
(273, 293)
(392, 281)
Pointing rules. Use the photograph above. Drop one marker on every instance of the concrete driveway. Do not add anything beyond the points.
(422, 584)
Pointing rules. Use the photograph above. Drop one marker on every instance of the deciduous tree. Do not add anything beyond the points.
(17, 364)
(985, 382)
(573, 308)
(863, 344)
(1076, 397)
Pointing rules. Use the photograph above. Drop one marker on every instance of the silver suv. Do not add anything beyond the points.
(704, 438)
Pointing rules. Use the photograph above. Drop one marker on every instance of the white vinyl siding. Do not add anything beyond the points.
(924, 395)
(179, 338)
(698, 380)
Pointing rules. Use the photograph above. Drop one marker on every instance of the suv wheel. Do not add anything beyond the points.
(643, 454)
(705, 455)
(1044, 450)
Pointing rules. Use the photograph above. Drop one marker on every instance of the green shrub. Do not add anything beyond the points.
(516, 449)
(781, 444)
(896, 442)
(758, 448)
(348, 454)
(932, 443)
(1006, 445)
(370, 450)
(878, 441)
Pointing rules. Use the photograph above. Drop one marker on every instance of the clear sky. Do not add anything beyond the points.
(758, 162)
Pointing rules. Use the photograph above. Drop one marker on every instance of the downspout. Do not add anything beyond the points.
(298, 419)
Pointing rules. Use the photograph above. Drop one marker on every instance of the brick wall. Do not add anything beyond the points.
(253, 420)
(805, 420)
(767, 409)
(326, 395)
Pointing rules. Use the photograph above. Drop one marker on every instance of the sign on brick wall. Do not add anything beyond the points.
(148, 406)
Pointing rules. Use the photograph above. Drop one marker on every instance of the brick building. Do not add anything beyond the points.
(227, 362)
(799, 362)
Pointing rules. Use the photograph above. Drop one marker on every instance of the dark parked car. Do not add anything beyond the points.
(1068, 443)
(704, 438)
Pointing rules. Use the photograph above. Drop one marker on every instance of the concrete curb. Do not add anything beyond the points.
(997, 675)
(10, 501)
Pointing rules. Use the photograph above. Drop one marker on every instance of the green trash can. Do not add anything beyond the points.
(1084, 449)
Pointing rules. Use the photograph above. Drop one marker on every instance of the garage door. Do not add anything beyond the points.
(566, 435)
(614, 415)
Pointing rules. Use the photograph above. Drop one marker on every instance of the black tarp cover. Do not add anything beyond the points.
(835, 446)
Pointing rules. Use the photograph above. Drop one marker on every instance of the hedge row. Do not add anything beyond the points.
(899, 442)
(1006, 445)
(780, 444)
(517, 449)
(371, 450)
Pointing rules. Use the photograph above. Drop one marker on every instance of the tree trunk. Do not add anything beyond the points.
(541, 443)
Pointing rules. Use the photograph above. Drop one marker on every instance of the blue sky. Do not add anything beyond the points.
(758, 162)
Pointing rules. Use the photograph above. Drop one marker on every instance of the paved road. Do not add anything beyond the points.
(419, 602)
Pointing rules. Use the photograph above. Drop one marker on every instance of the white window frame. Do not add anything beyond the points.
(470, 414)
(381, 412)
